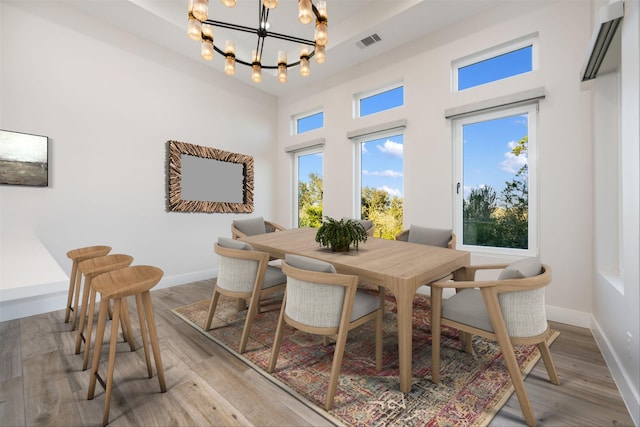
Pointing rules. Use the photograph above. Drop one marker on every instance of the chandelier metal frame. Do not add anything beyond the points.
(262, 32)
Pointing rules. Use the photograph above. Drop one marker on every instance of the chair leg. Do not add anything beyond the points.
(76, 300)
(143, 332)
(83, 314)
(548, 363)
(212, 308)
(275, 350)
(336, 366)
(436, 313)
(125, 322)
(72, 283)
(254, 304)
(153, 334)
(112, 359)
(87, 345)
(97, 348)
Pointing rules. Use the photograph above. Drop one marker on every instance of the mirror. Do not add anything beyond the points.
(205, 179)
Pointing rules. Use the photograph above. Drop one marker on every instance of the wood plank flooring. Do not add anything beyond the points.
(42, 382)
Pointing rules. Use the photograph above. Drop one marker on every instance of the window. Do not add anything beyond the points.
(494, 64)
(379, 181)
(496, 185)
(307, 165)
(381, 100)
(308, 122)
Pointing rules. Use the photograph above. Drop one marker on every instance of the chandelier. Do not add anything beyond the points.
(200, 28)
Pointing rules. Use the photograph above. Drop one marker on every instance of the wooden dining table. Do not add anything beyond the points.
(398, 266)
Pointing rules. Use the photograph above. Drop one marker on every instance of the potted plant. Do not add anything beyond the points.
(340, 235)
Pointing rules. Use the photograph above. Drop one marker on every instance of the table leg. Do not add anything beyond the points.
(404, 302)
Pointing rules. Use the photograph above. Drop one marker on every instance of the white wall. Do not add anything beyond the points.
(565, 179)
(617, 184)
(109, 101)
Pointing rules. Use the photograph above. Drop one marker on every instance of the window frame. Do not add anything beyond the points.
(295, 159)
(492, 52)
(358, 97)
(357, 163)
(296, 118)
(532, 109)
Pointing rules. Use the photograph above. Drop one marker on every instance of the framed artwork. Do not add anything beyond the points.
(206, 179)
(24, 159)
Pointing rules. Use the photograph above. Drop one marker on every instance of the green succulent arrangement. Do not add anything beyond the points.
(340, 235)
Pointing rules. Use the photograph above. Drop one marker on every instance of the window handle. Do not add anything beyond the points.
(458, 188)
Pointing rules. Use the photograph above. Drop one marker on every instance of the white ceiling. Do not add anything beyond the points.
(397, 22)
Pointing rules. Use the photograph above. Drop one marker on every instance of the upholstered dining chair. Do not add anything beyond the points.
(244, 274)
(442, 237)
(253, 226)
(322, 302)
(368, 225)
(509, 310)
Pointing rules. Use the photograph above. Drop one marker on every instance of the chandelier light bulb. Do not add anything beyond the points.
(229, 57)
(321, 33)
(305, 11)
(194, 29)
(200, 9)
(229, 3)
(207, 50)
(207, 31)
(270, 4)
(319, 56)
(322, 9)
(256, 72)
(282, 66)
(305, 70)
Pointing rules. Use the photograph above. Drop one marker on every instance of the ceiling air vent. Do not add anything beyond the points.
(368, 41)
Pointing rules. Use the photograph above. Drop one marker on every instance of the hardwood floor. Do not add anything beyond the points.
(42, 382)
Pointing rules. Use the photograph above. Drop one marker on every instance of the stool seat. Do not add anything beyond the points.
(128, 281)
(91, 268)
(77, 256)
(116, 285)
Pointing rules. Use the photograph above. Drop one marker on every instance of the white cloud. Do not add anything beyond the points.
(511, 162)
(392, 148)
(393, 192)
(386, 173)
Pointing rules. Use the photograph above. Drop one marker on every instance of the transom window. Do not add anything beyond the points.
(511, 59)
(308, 122)
(380, 100)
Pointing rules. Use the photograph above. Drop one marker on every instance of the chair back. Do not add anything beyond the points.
(524, 310)
(249, 227)
(368, 225)
(311, 298)
(441, 237)
(236, 272)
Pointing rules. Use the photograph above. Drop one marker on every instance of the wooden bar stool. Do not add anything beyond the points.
(116, 285)
(91, 268)
(77, 256)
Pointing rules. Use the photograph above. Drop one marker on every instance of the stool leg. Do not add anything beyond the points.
(77, 297)
(72, 283)
(112, 359)
(92, 305)
(151, 322)
(97, 347)
(127, 333)
(143, 331)
(83, 313)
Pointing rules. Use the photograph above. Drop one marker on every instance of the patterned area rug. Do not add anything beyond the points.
(473, 389)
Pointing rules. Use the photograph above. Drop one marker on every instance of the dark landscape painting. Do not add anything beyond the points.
(23, 159)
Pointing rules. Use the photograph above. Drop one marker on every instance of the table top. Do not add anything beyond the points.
(389, 263)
